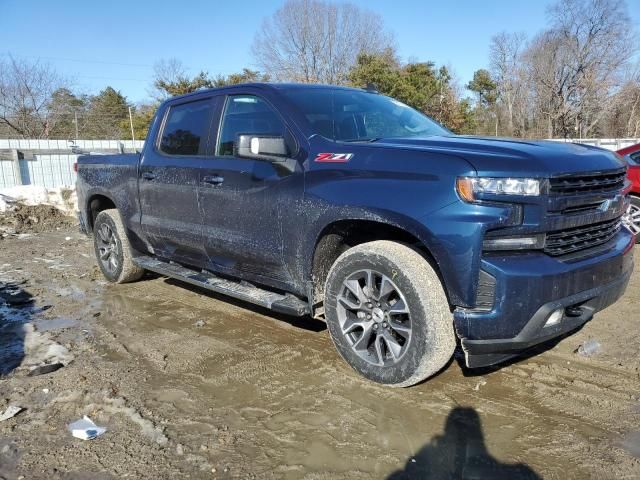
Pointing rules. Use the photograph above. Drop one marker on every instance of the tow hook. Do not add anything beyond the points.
(573, 311)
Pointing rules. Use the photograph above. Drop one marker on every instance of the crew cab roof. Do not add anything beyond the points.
(264, 85)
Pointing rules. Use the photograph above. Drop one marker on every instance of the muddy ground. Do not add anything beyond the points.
(194, 385)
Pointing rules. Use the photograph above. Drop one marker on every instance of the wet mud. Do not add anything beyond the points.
(26, 219)
(190, 384)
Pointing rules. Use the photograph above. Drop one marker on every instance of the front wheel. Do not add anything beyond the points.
(112, 248)
(632, 218)
(388, 315)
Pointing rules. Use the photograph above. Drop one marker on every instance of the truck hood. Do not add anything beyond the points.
(507, 156)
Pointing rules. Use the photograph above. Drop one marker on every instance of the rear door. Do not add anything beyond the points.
(243, 200)
(169, 178)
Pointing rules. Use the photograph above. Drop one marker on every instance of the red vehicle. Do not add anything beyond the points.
(632, 156)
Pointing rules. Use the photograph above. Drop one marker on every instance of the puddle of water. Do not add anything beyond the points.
(631, 443)
(71, 291)
(11, 346)
(10, 314)
(16, 307)
(57, 323)
(23, 341)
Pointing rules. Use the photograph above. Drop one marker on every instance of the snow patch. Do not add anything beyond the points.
(63, 198)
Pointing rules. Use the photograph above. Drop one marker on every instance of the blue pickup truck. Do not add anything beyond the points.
(350, 206)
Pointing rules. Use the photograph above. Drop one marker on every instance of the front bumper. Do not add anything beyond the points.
(529, 288)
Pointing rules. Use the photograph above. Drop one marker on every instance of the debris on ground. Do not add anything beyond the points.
(200, 323)
(41, 350)
(481, 383)
(10, 412)
(85, 429)
(589, 348)
(44, 369)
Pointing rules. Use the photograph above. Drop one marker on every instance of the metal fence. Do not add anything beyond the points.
(97, 145)
(49, 163)
(43, 170)
(608, 143)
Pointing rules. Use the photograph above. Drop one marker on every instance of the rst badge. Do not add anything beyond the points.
(333, 157)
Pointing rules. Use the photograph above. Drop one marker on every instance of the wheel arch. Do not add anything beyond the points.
(96, 203)
(338, 236)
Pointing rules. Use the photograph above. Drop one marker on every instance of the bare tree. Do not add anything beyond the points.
(26, 90)
(574, 65)
(623, 119)
(317, 41)
(505, 53)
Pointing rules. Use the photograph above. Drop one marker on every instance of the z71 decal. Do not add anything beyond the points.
(334, 157)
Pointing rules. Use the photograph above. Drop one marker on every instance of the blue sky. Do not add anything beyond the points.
(117, 42)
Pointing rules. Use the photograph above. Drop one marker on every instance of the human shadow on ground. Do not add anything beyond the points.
(460, 453)
(16, 309)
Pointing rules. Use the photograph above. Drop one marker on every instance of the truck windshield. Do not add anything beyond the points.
(359, 116)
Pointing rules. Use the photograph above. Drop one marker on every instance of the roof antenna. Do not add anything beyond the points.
(371, 88)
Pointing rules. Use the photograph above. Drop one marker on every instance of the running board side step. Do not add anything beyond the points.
(287, 303)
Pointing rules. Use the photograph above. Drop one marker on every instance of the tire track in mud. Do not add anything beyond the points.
(269, 394)
(299, 405)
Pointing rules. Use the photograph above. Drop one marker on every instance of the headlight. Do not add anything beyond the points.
(469, 187)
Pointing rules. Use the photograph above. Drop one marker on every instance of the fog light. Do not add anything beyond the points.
(514, 243)
(555, 318)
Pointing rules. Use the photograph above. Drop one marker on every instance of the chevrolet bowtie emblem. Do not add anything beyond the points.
(604, 206)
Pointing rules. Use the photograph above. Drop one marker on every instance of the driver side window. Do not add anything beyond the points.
(246, 114)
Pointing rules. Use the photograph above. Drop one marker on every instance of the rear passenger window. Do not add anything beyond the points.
(247, 114)
(185, 131)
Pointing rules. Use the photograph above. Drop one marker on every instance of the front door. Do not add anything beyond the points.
(169, 179)
(243, 200)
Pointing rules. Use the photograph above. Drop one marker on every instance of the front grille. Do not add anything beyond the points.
(571, 240)
(584, 208)
(588, 183)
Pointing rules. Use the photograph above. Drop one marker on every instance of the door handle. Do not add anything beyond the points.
(148, 176)
(213, 179)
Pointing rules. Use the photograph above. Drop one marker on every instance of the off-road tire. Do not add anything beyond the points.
(432, 340)
(123, 270)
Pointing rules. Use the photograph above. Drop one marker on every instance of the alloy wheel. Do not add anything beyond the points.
(108, 248)
(632, 219)
(374, 317)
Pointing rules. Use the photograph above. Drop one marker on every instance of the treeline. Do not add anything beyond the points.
(36, 102)
(575, 78)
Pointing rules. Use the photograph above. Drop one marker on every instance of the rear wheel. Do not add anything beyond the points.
(388, 315)
(112, 248)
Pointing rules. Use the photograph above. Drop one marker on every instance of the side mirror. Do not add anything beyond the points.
(268, 148)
